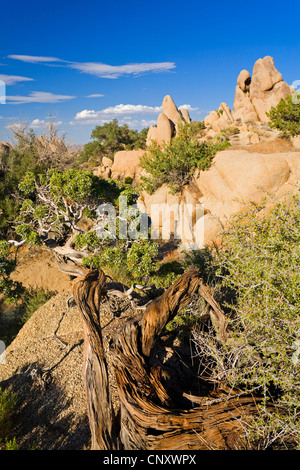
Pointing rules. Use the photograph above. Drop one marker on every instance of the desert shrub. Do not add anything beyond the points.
(141, 258)
(11, 290)
(286, 116)
(7, 408)
(55, 202)
(33, 299)
(13, 318)
(183, 324)
(259, 265)
(11, 444)
(231, 130)
(110, 138)
(167, 273)
(135, 262)
(30, 153)
(175, 164)
(190, 130)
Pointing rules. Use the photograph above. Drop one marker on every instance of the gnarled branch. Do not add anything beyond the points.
(150, 418)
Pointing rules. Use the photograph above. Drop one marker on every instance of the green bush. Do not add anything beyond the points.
(11, 444)
(258, 270)
(110, 138)
(7, 408)
(175, 164)
(33, 300)
(27, 155)
(136, 262)
(9, 288)
(167, 273)
(14, 317)
(286, 116)
(141, 258)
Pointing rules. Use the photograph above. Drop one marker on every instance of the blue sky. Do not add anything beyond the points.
(88, 62)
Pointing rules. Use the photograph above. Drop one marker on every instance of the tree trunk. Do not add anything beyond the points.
(151, 415)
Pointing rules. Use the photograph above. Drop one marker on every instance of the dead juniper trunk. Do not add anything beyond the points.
(150, 418)
(88, 291)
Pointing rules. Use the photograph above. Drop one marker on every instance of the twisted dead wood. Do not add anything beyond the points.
(150, 418)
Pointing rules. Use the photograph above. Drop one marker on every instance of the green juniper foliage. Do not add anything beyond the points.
(11, 289)
(175, 164)
(286, 116)
(7, 408)
(110, 138)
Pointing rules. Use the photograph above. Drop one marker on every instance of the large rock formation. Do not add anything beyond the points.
(255, 96)
(171, 111)
(127, 163)
(152, 136)
(165, 130)
(220, 119)
(243, 108)
(235, 179)
(167, 123)
(185, 114)
(104, 170)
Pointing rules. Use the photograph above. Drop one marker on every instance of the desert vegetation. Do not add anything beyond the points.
(175, 164)
(7, 408)
(285, 116)
(109, 138)
(235, 304)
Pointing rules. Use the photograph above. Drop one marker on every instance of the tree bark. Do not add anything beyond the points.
(151, 417)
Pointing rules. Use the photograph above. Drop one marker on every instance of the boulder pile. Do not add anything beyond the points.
(258, 163)
(254, 96)
(167, 123)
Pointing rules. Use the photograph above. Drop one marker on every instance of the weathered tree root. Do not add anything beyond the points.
(149, 418)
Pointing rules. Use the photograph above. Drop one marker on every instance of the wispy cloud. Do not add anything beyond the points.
(35, 59)
(99, 69)
(13, 79)
(90, 116)
(116, 71)
(38, 97)
(37, 123)
(95, 95)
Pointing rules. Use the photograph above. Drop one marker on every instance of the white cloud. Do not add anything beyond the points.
(12, 79)
(89, 116)
(38, 97)
(35, 59)
(99, 69)
(116, 71)
(41, 123)
(131, 109)
(148, 123)
(37, 123)
(95, 95)
(188, 107)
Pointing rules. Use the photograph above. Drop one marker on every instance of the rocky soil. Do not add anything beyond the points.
(46, 373)
(47, 378)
